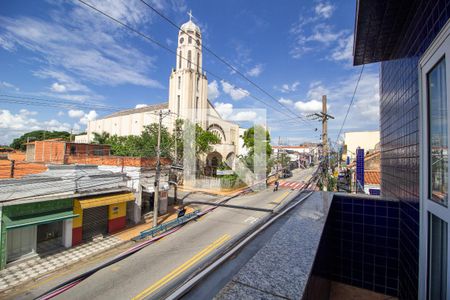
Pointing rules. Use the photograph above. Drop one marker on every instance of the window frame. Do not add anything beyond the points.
(439, 48)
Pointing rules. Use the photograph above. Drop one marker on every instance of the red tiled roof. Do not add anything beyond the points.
(372, 177)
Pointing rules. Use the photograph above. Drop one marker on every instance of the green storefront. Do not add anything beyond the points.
(35, 227)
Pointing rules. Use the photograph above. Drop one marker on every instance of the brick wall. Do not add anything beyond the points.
(21, 169)
(115, 161)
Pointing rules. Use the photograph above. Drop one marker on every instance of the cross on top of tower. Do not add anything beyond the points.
(190, 14)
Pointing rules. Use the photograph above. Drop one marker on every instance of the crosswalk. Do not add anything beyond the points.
(293, 185)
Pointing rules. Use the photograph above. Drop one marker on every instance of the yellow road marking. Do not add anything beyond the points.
(281, 198)
(151, 289)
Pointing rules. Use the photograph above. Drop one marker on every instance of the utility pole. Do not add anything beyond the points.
(323, 117)
(11, 170)
(158, 171)
(278, 153)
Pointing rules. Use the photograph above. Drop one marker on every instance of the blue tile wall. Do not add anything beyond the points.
(399, 125)
(360, 243)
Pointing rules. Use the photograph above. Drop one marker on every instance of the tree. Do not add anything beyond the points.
(101, 138)
(150, 141)
(38, 135)
(204, 140)
(249, 142)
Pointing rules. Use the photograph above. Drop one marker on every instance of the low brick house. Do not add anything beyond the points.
(57, 151)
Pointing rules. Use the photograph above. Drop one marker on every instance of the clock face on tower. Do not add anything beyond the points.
(181, 40)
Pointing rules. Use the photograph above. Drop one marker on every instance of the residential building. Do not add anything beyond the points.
(367, 140)
(57, 151)
(304, 155)
(59, 208)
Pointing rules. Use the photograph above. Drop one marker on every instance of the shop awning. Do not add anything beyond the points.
(33, 220)
(106, 200)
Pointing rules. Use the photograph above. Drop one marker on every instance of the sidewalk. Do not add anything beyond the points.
(33, 269)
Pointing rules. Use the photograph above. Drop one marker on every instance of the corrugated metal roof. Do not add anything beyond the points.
(138, 110)
(60, 182)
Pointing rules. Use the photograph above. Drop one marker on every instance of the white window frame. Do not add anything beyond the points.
(439, 48)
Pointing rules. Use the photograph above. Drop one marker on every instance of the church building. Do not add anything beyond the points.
(188, 100)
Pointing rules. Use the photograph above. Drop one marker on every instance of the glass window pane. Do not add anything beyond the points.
(437, 258)
(438, 143)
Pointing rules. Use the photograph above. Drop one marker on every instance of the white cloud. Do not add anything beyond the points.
(311, 32)
(227, 112)
(70, 84)
(224, 109)
(288, 88)
(213, 90)
(90, 116)
(7, 85)
(317, 90)
(169, 42)
(75, 113)
(6, 44)
(286, 101)
(324, 10)
(79, 42)
(344, 50)
(309, 106)
(13, 125)
(83, 117)
(59, 88)
(61, 113)
(255, 71)
(140, 105)
(26, 112)
(243, 116)
(324, 34)
(234, 92)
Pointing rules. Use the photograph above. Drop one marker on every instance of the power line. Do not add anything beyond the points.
(223, 60)
(175, 53)
(351, 103)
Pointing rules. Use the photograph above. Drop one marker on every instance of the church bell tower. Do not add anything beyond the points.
(188, 85)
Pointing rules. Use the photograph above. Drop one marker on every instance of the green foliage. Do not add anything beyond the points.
(101, 138)
(38, 135)
(145, 145)
(249, 142)
(203, 139)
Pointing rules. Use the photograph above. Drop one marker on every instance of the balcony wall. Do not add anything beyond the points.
(360, 245)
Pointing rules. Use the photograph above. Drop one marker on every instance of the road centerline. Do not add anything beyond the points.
(180, 269)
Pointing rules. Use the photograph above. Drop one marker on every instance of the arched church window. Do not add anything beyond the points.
(179, 61)
(178, 105)
(189, 59)
(190, 40)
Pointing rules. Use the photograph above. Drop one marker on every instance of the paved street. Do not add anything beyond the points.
(155, 267)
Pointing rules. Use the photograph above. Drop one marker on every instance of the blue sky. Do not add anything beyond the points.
(297, 51)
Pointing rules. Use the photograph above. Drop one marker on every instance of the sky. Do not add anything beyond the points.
(64, 64)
